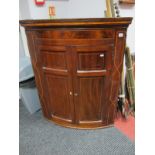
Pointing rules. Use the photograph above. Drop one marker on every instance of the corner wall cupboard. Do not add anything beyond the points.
(77, 65)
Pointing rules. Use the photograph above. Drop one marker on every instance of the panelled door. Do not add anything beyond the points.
(76, 81)
(92, 70)
(54, 63)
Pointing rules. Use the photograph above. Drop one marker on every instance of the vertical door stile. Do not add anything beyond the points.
(70, 82)
(75, 83)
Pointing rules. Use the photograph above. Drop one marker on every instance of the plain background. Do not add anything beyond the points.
(145, 77)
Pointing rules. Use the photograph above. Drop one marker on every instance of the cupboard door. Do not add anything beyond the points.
(54, 63)
(93, 65)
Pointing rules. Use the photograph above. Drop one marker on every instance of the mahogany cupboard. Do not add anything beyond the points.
(77, 65)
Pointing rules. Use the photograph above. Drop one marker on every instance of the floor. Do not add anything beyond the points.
(126, 126)
(37, 136)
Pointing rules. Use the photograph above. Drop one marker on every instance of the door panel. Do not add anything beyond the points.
(55, 60)
(91, 91)
(55, 66)
(91, 61)
(92, 65)
(95, 58)
(58, 95)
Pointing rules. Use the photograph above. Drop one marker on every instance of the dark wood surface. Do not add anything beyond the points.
(77, 65)
(83, 23)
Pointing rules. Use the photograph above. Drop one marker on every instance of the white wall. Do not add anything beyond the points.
(24, 13)
(24, 9)
(69, 9)
(129, 11)
(21, 47)
(77, 9)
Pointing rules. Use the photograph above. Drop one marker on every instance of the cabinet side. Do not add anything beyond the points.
(120, 42)
(38, 80)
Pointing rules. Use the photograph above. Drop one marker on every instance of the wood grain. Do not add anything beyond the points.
(77, 65)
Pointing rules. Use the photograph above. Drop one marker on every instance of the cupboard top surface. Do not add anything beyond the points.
(83, 22)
